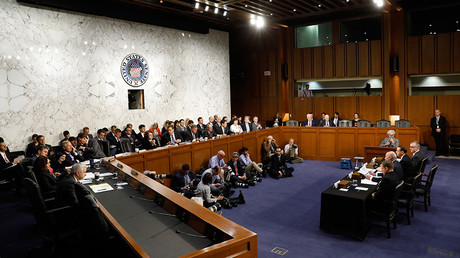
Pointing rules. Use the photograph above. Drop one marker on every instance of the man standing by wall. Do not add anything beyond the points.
(438, 131)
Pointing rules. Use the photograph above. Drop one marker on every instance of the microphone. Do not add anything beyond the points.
(161, 213)
(188, 234)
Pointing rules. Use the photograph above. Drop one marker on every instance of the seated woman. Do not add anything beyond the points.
(149, 141)
(155, 130)
(390, 141)
(235, 127)
(44, 174)
(355, 119)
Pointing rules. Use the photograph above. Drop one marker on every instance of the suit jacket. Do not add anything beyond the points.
(146, 144)
(323, 123)
(93, 150)
(47, 181)
(314, 122)
(246, 128)
(70, 192)
(218, 129)
(31, 149)
(254, 126)
(178, 180)
(208, 134)
(278, 163)
(398, 169)
(67, 162)
(109, 136)
(188, 136)
(333, 124)
(240, 168)
(3, 163)
(265, 150)
(140, 137)
(386, 187)
(201, 127)
(227, 130)
(165, 138)
(406, 164)
(115, 144)
(416, 161)
(134, 140)
(386, 140)
(442, 125)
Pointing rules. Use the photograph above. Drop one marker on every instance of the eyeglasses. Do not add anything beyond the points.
(412, 147)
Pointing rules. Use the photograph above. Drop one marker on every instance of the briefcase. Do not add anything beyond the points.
(356, 175)
(344, 184)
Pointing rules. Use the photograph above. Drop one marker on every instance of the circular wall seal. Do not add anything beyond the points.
(134, 70)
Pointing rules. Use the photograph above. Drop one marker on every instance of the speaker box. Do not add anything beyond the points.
(284, 71)
(394, 64)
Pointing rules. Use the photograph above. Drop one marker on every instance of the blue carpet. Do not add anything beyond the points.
(285, 213)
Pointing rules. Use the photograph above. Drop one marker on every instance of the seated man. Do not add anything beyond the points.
(141, 135)
(41, 151)
(397, 168)
(325, 122)
(9, 169)
(217, 126)
(236, 175)
(90, 148)
(204, 191)
(217, 184)
(217, 160)
(115, 145)
(417, 156)
(70, 191)
(132, 137)
(184, 181)
(255, 124)
(192, 135)
(311, 121)
(41, 141)
(209, 132)
(292, 152)
(248, 165)
(390, 141)
(66, 158)
(405, 162)
(31, 147)
(85, 131)
(171, 137)
(279, 168)
(268, 149)
(386, 187)
(246, 125)
(226, 128)
(66, 136)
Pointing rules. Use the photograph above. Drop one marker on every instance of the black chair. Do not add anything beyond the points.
(126, 145)
(95, 222)
(291, 123)
(363, 123)
(422, 165)
(105, 146)
(406, 200)
(345, 123)
(390, 210)
(270, 123)
(47, 218)
(424, 188)
(402, 123)
(383, 123)
(454, 144)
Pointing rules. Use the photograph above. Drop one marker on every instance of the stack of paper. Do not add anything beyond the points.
(368, 182)
(101, 188)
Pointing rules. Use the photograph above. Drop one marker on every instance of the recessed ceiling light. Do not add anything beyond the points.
(225, 13)
(206, 9)
(197, 5)
(271, 14)
(246, 5)
(294, 10)
(319, 5)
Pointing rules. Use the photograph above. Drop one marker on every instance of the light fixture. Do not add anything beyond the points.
(319, 5)
(206, 9)
(379, 3)
(260, 22)
(216, 10)
(246, 5)
(197, 5)
(225, 13)
(294, 10)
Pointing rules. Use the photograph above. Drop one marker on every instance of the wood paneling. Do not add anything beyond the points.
(428, 57)
(340, 60)
(413, 55)
(302, 106)
(449, 107)
(307, 143)
(370, 108)
(363, 58)
(351, 60)
(328, 62)
(323, 104)
(376, 58)
(318, 62)
(346, 143)
(366, 137)
(326, 143)
(307, 63)
(420, 109)
(297, 65)
(456, 52)
(443, 53)
(346, 106)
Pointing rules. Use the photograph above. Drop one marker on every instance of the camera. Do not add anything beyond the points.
(162, 176)
(294, 146)
(215, 207)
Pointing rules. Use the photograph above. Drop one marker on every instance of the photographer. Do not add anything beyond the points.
(292, 151)
(279, 168)
(184, 181)
(203, 190)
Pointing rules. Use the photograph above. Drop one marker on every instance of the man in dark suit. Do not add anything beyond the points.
(336, 119)
(209, 132)
(171, 137)
(141, 135)
(325, 122)
(417, 156)
(397, 168)
(239, 177)
(66, 158)
(114, 141)
(32, 147)
(311, 121)
(279, 168)
(405, 162)
(246, 125)
(386, 187)
(111, 134)
(85, 131)
(70, 191)
(201, 125)
(217, 126)
(132, 137)
(10, 169)
(438, 131)
(90, 148)
(192, 135)
(41, 141)
(184, 181)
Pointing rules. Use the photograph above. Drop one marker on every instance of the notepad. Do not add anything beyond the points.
(101, 188)
(343, 189)
(361, 188)
(368, 182)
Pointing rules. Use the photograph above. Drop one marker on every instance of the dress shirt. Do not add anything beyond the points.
(288, 146)
(5, 158)
(245, 160)
(215, 178)
(214, 161)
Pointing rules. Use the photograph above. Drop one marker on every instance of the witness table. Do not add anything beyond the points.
(345, 212)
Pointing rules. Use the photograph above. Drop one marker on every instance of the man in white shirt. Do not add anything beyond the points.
(291, 150)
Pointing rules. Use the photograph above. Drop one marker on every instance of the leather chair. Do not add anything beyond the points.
(95, 220)
(126, 145)
(105, 146)
(291, 123)
(363, 123)
(454, 144)
(383, 123)
(402, 123)
(421, 168)
(406, 200)
(391, 210)
(345, 123)
(424, 188)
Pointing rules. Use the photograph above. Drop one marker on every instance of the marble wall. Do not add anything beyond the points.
(61, 71)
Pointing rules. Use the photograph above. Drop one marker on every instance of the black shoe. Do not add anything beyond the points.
(241, 199)
(252, 183)
(259, 179)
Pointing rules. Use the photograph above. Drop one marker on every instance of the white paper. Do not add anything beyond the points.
(86, 181)
(101, 188)
(344, 189)
(89, 175)
(361, 188)
(368, 182)
(18, 159)
(105, 174)
(140, 151)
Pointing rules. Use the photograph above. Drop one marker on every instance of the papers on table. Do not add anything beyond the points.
(343, 189)
(89, 175)
(360, 188)
(101, 188)
(368, 182)
(105, 174)
(86, 181)
(18, 159)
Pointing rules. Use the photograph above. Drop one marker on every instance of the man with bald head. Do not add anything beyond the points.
(311, 121)
(398, 169)
(438, 131)
(218, 160)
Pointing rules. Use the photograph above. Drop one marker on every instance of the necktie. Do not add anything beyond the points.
(5, 158)
(193, 136)
(327, 123)
(236, 168)
(437, 120)
(173, 140)
(309, 123)
(71, 156)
